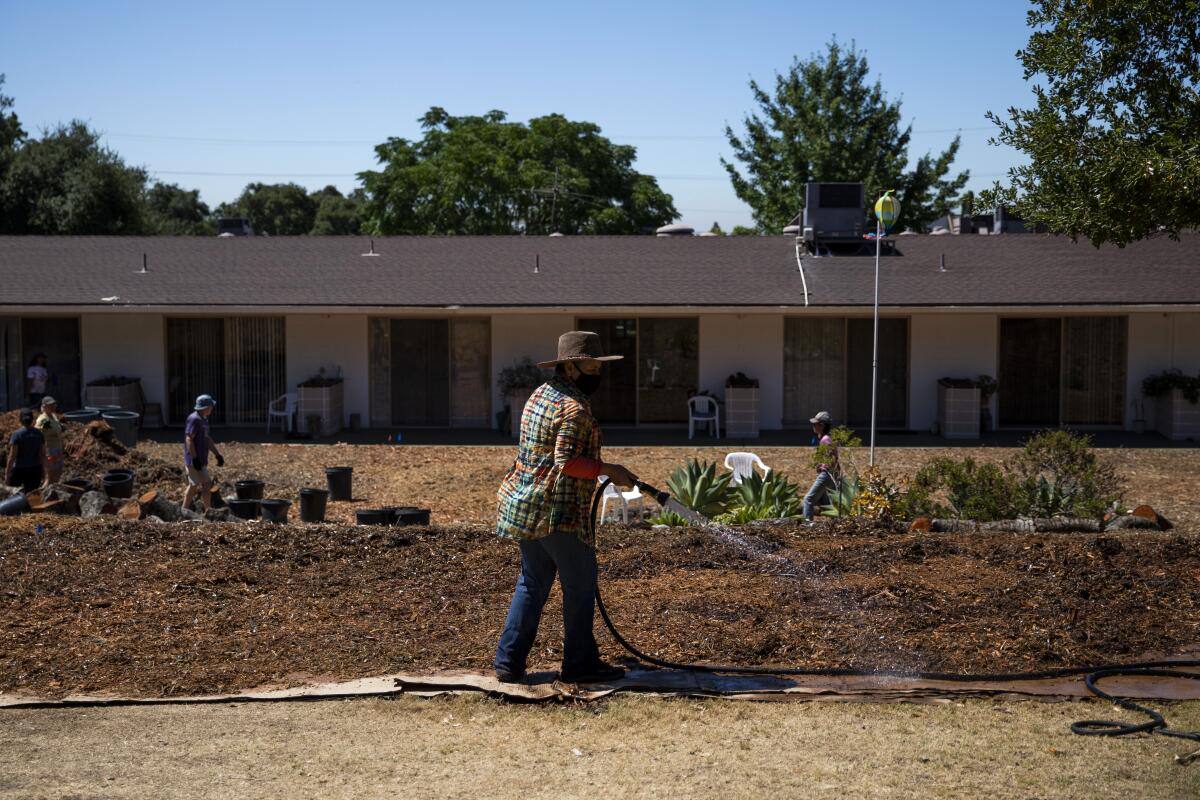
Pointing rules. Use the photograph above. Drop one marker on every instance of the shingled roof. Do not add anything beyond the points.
(625, 271)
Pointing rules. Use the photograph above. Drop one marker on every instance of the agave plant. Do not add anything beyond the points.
(668, 517)
(840, 500)
(698, 486)
(769, 497)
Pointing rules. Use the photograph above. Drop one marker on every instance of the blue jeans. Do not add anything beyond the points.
(818, 493)
(575, 563)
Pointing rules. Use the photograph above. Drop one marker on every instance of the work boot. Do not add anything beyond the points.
(510, 677)
(595, 673)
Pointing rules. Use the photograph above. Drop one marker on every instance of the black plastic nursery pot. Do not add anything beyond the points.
(409, 515)
(274, 510)
(244, 509)
(79, 485)
(373, 516)
(118, 485)
(249, 489)
(82, 416)
(312, 505)
(340, 480)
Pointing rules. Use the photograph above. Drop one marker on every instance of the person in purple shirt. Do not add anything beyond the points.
(197, 444)
(829, 474)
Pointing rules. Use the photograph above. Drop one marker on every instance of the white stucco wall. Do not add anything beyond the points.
(517, 335)
(331, 341)
(1158, 342)
(125, 344)
(749, 343)
(946, 346)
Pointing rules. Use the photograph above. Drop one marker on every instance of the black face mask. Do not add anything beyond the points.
(588, 384)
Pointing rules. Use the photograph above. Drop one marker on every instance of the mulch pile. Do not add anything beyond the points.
(91, 449)
(160, 610)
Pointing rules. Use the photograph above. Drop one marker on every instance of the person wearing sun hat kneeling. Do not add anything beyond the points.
(544, 503)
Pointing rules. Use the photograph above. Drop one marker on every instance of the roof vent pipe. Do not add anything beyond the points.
(144, 270)
(372, 252)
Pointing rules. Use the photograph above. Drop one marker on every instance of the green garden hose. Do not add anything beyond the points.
(1092, 674)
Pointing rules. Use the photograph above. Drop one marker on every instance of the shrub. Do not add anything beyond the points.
(875, 497)
(840, 502)
(1059, 474)
(523, 374)
(845, 441)
(971, 490)
(698, 486)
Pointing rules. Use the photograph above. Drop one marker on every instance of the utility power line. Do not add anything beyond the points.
(374, 142)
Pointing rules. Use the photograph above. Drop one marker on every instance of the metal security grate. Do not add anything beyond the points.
(255, 367)
(241, 361)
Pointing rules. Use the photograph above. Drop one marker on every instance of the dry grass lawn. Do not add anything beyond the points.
(470, 747)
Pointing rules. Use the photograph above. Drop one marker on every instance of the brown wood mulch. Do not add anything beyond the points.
(158, 610)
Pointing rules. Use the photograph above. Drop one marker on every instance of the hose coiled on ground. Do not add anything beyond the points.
(1092, 674)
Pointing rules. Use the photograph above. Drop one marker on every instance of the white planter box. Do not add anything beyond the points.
(324, 402)
(958, 411)
(516, 402)
(1176, 418)
(741, 413)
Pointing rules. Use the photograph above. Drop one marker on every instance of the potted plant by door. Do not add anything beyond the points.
(1177, 403)
(516, 383)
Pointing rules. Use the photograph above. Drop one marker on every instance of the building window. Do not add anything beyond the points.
(827, 366)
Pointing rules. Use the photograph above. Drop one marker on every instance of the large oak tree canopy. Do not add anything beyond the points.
(485, 175)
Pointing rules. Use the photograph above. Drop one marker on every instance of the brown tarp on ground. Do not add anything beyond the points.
(670, 683)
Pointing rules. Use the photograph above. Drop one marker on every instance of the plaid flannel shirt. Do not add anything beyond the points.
(536, 499)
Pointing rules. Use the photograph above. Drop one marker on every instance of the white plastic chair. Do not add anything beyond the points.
(704, 409)
(621, 499)
(283, 406)
(742, 465)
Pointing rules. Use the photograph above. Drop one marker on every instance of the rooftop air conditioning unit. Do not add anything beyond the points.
(234, 226)
(835, 210)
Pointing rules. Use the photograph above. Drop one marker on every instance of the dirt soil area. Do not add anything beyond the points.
(159, 609)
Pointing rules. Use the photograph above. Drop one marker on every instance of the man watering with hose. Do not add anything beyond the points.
(544, 505)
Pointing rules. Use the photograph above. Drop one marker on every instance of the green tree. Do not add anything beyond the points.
(174, 211)
(337, 214)
(1113, 137)
(484, 175)
(66, 183)
(743, 230)
(276, 209)
(825, 122)
(716, 229)
(11, 132)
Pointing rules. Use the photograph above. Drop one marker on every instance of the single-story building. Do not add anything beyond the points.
(420, 327)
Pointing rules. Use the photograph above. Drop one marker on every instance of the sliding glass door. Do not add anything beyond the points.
(1062, 371)
(430, 372)
(240, 361)
(827, 366)
(660, 371)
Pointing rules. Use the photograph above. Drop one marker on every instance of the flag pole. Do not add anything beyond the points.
(875, 343)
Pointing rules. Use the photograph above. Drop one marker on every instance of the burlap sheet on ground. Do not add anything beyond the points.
(544, 687)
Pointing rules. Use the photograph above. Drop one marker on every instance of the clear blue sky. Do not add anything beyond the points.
(306, 89)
